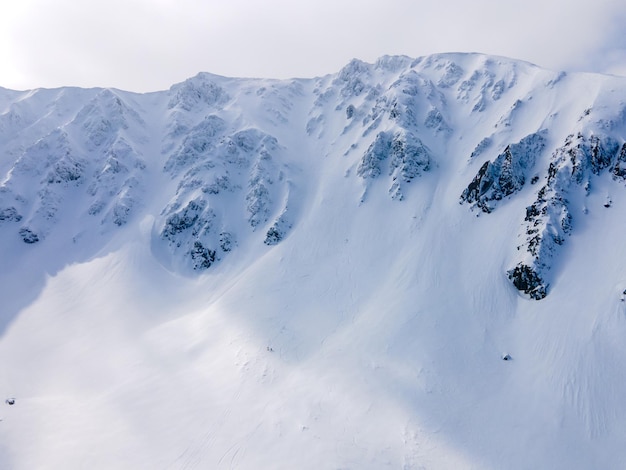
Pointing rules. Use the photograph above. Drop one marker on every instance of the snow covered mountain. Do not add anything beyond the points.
(317, 273)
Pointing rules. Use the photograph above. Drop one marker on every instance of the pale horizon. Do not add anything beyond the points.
(148, 46)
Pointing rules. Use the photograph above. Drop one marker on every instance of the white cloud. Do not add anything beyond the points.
(147, 45)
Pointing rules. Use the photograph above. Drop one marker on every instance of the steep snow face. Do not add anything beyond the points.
(319, 273)
(232, 148)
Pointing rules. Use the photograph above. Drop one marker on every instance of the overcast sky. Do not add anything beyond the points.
(146, 45)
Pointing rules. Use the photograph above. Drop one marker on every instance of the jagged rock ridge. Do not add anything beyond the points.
(232, 155)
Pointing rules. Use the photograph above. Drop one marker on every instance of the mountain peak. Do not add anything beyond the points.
(316, 273)
(396, 120)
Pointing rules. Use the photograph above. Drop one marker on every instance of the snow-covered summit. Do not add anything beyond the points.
(234, 148)
(353, 248)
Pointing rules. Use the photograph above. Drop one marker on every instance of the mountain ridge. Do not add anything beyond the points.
(116, 134)
(317, 273)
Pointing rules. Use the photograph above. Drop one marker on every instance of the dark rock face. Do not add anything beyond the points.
(350, 110)
(506, 175)
(280, 228)
(192, 226)
(619, 169)
(185, 219)
(478, 187)
(28, 236)
(526, 280)
(227, 241)
(548, 220)
(202, 257)
(10, 214)
(273, 236)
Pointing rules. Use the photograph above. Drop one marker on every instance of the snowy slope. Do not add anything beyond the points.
(319, 273)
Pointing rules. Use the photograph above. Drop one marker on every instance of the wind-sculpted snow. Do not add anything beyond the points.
(199, 92)
(482, 87)
(353, 79)
(117, 183)
(38, 182)
(481, 147)
(197, 144)
(88, 154)
(104, 119)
